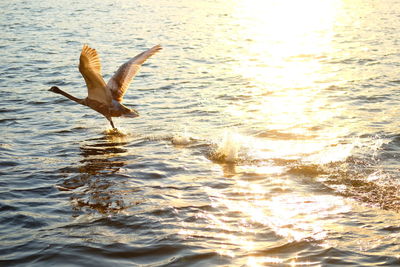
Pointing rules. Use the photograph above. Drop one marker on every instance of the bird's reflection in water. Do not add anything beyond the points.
(229, 170)
(95, 182)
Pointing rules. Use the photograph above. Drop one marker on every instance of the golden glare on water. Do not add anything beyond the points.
(283, 36)
(283, 60)
(293, 217)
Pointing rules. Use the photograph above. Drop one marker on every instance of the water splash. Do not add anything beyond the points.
(182, 139)
(115, 132)
(228, 149)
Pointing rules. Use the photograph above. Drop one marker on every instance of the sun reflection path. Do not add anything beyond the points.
(285, 43)
(285, 39)
(285, 46)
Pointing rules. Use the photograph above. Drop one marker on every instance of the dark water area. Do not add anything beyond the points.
(268, 135)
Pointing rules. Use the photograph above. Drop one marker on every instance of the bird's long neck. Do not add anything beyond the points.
(73, 98)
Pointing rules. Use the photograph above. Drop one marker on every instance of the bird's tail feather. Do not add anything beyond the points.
(129, 112)
(132, 114)
(123, 111)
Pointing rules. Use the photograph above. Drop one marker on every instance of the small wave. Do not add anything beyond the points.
(313, 170)
(9, 121)
(167, 87)
(364, 175)
(305, 57)
(383, 196)
(23, 220)
(195, 258)
(274, 134)
(8, 164)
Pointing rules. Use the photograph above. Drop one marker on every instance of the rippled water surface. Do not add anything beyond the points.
(268, 136)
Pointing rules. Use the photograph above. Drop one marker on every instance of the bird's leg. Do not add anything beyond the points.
(112, 124)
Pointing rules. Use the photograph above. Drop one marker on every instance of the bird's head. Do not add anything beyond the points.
(55, 89)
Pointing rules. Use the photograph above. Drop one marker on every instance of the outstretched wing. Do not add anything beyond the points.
(90, 68)
(119, 82)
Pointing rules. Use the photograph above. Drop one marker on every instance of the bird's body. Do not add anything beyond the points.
(106, 98)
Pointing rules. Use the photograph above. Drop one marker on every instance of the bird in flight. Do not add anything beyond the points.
(106, 98)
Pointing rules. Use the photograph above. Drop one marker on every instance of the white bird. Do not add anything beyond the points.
(106, 98)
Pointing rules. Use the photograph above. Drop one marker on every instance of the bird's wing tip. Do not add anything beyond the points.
(87, 47)
(158, 47)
